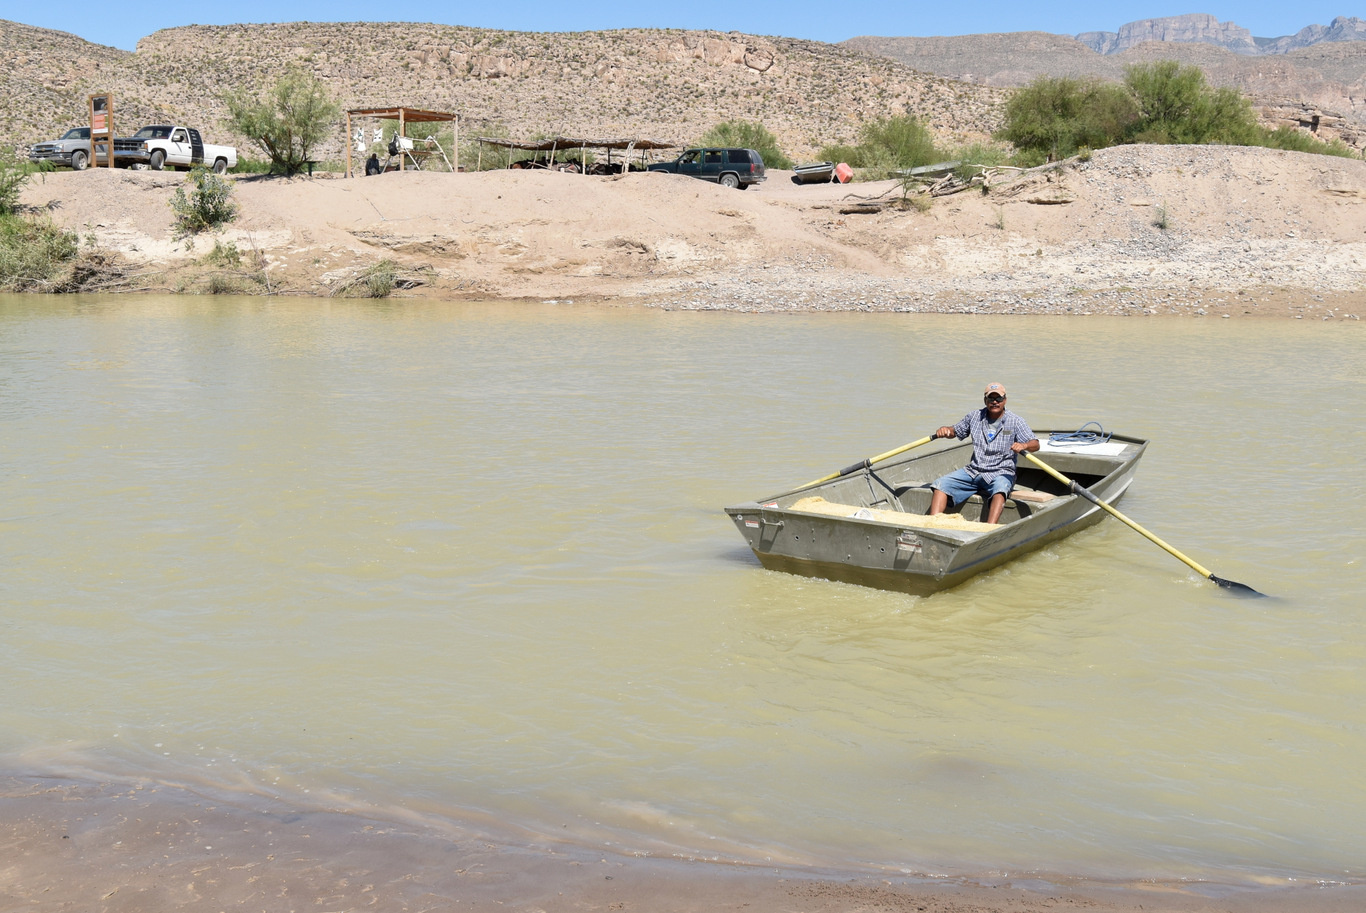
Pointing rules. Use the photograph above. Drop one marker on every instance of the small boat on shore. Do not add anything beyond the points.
(871, 527)
(818, 173)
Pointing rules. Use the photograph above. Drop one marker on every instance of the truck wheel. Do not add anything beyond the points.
(157, 160)
(730, 180)
(79, 160)
(220, 166)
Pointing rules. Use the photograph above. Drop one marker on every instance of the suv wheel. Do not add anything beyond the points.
(730, 180)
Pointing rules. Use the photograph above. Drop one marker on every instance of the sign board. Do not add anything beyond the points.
(102, 127)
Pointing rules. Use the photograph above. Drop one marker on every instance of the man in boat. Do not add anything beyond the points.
(997, 436)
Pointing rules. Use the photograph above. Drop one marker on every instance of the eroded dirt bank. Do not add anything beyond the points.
(1134, 230)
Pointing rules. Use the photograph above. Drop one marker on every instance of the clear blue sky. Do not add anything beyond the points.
(121, 24)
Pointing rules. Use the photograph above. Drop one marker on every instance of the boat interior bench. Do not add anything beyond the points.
(914, 498)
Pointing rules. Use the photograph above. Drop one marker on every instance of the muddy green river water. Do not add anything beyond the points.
(469, 560)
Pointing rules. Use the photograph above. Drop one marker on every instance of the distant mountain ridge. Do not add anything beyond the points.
(1205, 29)
(1315, 79)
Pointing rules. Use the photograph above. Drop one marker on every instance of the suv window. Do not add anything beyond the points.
(713, 156)
(689, 157)
(739, 157)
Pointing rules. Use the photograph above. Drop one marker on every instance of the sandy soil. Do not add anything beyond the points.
(1197, 230)
(145, 847)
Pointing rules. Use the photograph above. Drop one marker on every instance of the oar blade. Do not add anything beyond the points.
(1242, 589)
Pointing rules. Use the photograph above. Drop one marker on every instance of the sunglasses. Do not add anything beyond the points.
(994, 398)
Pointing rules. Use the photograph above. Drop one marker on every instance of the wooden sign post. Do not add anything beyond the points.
(102, 127)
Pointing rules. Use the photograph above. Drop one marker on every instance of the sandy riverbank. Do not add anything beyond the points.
(1188, 230)
(74, 844)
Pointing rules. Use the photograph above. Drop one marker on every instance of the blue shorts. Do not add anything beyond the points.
(961, 485)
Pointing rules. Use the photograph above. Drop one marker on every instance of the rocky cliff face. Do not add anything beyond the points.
(1343, 28)
(1189, 28)
(1205, 29)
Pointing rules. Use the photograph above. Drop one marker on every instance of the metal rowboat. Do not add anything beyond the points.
(870, 527)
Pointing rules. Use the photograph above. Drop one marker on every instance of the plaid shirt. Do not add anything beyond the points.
(993, 458)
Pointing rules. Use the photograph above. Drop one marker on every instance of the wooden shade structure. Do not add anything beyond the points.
(566, 143)
(404, 116)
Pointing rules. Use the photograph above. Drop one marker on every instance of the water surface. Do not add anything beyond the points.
(468, 560)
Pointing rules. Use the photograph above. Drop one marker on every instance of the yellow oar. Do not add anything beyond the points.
(1076, 489)
(864, 464)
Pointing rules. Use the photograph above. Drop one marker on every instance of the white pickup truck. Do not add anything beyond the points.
(160, 145)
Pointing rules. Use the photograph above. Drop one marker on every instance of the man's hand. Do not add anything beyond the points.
(1023, 446)
(945, 431)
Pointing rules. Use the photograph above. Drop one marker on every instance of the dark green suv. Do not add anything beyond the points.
(727, 167)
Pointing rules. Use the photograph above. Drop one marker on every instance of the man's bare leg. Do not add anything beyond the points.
(995, 508)
(938, 501)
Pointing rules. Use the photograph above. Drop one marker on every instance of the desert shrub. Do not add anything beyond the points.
(207, 206)
(888, 143)
(747, 135)
(850, 155)
(896, 142)
(35, 254)
(1295, 140)
(1054, 117)
(220, 284)
(375, 281)
(1177, 105)
(380, 279)
(224, 254)
(294, 117)
(1161, 102)
(248, 165)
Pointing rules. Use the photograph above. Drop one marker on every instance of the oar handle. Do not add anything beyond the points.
(867, 464)
(1079, 490)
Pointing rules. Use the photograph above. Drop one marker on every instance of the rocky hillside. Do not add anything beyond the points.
(661, 84)
(1323, 84)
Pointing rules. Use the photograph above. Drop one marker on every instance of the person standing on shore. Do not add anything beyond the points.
(998, 435)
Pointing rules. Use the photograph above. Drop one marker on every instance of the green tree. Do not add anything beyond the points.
(1058, 116)
(747, 135)
(13, 175)
(289, 123)
(1177, 105)
(896, 142)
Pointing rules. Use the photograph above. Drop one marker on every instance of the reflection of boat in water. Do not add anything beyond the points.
(870, 527)
(819, 173)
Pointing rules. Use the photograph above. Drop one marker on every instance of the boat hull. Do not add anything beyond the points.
(869, 527)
